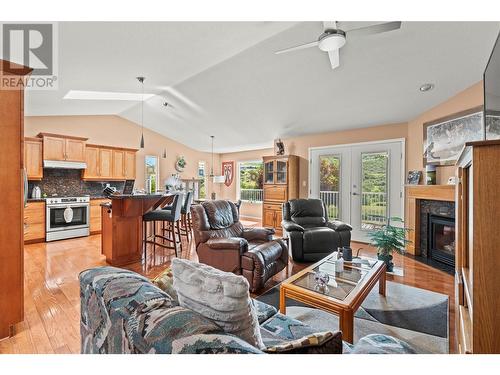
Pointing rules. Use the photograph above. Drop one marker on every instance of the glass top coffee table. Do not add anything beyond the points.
(345, 291)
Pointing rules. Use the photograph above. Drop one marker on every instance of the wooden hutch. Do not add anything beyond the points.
(477, 276)
(281, 183)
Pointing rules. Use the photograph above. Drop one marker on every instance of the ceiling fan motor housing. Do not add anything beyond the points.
(331, 40)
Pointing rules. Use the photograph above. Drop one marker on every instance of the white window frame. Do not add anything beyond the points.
(238, 178)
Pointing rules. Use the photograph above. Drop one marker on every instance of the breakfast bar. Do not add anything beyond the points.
(122, 225)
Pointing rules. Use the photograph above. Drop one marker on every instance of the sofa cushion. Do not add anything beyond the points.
(263, 310)
(317, 343)
(319, 240)
(280, 328)
(165, 281)
(381, 344)
(213, 344)
(307, 212)
(154, 329)
(220, 296)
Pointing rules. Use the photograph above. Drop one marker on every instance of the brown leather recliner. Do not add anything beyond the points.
(222, 242)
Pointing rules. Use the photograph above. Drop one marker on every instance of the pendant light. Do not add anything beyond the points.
(141, 81)
(212, 165)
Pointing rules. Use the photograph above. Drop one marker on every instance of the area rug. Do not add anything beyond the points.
(415, 315)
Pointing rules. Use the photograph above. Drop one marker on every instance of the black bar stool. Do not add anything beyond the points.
(185, 228)
(170, 216)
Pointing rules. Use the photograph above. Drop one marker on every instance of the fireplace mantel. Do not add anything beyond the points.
(415, 193)
(431, 192)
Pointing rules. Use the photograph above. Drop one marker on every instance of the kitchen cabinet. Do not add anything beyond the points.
(34, 222)
(130, 165)
(92, 161)
(281, 183)
(58, 147)
(106, 163)
(119, 164)
(33, 158)
(95, 215)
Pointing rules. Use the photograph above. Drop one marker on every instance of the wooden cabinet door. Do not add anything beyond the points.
(118, 164)
(105, 163)
(34, 220)
(33, 159)
(281, 171)
(268, 217)
(54, 148)
(130, 165)
(92, 161)
(95, 215)
(269, 172)
(276, 193)
(75, 150)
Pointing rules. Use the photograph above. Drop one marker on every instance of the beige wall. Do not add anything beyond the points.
(469, 98)
(411, 131)
(116, 131)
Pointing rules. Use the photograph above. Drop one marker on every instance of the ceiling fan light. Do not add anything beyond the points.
(331, 40)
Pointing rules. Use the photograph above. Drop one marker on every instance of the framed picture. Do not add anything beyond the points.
(445, 138)
(228, 172)
(413, 177)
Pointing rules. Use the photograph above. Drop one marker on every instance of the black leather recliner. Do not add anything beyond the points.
(311, 235)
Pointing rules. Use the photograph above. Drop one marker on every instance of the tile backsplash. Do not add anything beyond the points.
(68, 182)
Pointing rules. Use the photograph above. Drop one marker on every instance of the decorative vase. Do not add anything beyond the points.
(387, 258)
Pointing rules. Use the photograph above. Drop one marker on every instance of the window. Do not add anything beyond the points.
(250, 178)
(152, 168)
(202, 192)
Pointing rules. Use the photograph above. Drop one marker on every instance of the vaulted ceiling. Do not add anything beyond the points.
(223, 78)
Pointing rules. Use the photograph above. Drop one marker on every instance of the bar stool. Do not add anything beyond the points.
(171, 217)
(186, 228)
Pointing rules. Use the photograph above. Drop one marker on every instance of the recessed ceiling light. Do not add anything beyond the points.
(426, 87)
(106, 95)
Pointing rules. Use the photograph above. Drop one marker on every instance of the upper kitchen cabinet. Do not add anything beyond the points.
(63, 148)
(105, 163)
(119, 164)
(130, 165)
(33, 158)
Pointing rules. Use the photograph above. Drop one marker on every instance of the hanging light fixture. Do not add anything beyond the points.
(211, 175)
(141, 81)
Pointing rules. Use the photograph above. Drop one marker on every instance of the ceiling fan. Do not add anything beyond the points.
(332, 38)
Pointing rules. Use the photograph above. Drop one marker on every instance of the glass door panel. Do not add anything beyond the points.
(281, 171)
(374, 178)
(269, 172)
(329, 184)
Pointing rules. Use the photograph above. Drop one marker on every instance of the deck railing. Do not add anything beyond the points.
(251, 195)
(373, 206)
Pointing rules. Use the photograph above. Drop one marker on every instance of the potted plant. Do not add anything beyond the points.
(389, 238)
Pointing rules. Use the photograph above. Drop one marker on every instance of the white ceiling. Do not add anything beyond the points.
(224, 78)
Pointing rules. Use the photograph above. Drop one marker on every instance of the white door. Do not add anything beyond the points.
(360, 184)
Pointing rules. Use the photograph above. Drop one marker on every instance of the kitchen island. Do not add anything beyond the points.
(121, 239)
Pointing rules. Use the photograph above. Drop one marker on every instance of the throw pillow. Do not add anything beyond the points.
(317, 343)
(165, 281)
(220, 296)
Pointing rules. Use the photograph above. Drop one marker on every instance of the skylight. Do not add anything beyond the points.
(106, 95)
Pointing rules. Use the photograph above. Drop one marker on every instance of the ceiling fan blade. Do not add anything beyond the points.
(302, 46)
(329, 25)
(334, 58)
(375, 29)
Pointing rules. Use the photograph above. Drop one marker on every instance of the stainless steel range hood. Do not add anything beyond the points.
(64, 164)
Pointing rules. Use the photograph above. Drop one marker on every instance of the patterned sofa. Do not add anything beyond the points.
(123, 312)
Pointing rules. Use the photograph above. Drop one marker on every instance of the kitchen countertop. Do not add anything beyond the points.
(43, 199)
(138, 196)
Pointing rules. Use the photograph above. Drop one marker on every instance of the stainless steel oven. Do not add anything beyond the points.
(67, 217)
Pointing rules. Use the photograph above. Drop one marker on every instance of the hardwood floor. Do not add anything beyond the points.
(52, 295)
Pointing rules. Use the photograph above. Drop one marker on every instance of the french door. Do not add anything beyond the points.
(360, 184)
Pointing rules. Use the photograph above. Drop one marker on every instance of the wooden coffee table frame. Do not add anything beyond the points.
(346, 308)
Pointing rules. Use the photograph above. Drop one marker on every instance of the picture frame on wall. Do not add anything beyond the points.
(228, 172)
(445, 138)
